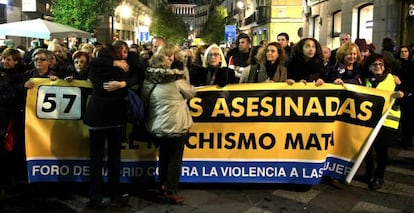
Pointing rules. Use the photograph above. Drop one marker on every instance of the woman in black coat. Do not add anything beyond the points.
(306, 64)
(106, 118)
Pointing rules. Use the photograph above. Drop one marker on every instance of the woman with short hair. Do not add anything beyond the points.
(166, 91)
(214, 70)
(348, 68)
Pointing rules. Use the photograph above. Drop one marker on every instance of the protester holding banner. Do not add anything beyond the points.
(380, 77)
(270, 67)
(106, 118)
(348, 68)
(79, 68)
(166, 91)
(306, 64)
(214, 69)
(42, 68)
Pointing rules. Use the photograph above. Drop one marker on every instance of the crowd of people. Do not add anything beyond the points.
(165, 75)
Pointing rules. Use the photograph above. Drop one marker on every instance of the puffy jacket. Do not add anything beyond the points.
(168, 113)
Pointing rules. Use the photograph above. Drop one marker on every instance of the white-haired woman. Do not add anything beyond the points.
(214, 69)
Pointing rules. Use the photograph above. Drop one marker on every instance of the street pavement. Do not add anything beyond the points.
(397, 195)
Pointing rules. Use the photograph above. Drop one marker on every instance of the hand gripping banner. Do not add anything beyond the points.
(246, 133)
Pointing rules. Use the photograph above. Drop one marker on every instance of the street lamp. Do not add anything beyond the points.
(122, 11)
(125, 10)
(240, 5)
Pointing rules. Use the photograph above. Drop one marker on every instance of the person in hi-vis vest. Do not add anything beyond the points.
(378, 76)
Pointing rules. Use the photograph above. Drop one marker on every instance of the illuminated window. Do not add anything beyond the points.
(336, 23)
(336, 28)
(316, 26)
(365, 22)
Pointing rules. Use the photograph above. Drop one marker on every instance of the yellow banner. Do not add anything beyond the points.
(265, 132)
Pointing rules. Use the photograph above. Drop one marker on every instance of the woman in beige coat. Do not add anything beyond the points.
(166, 91)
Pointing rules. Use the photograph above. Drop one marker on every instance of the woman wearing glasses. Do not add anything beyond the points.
(379, 76)
(214, 70)
(41, 68)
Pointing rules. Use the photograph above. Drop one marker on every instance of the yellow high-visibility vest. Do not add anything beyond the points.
(393, 116)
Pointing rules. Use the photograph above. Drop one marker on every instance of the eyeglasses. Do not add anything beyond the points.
(377, 64)
(39, 59)
(214, 54)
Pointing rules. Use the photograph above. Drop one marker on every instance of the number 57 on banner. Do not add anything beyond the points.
(59, 102)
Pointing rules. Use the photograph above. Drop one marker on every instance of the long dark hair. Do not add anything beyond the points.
(410, 54)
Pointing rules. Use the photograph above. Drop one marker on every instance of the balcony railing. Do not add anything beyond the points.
(263, 14)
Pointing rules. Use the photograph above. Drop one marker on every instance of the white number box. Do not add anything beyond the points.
(58, 102)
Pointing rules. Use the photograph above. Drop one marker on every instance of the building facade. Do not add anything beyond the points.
(372, 20)
(274, 17)
(325, 20)
(129, 21)
(194, 17)
(264, 19)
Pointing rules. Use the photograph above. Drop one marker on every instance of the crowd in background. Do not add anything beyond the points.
(163, 71)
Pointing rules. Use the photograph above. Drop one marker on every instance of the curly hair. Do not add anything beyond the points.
(298, 48)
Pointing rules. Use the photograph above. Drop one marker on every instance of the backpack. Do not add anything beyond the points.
(135, 108)
(137, 114)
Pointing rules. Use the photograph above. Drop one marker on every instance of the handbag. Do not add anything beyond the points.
(10, 136)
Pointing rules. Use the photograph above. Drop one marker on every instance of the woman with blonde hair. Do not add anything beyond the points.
(166, 91)
(348, 68)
